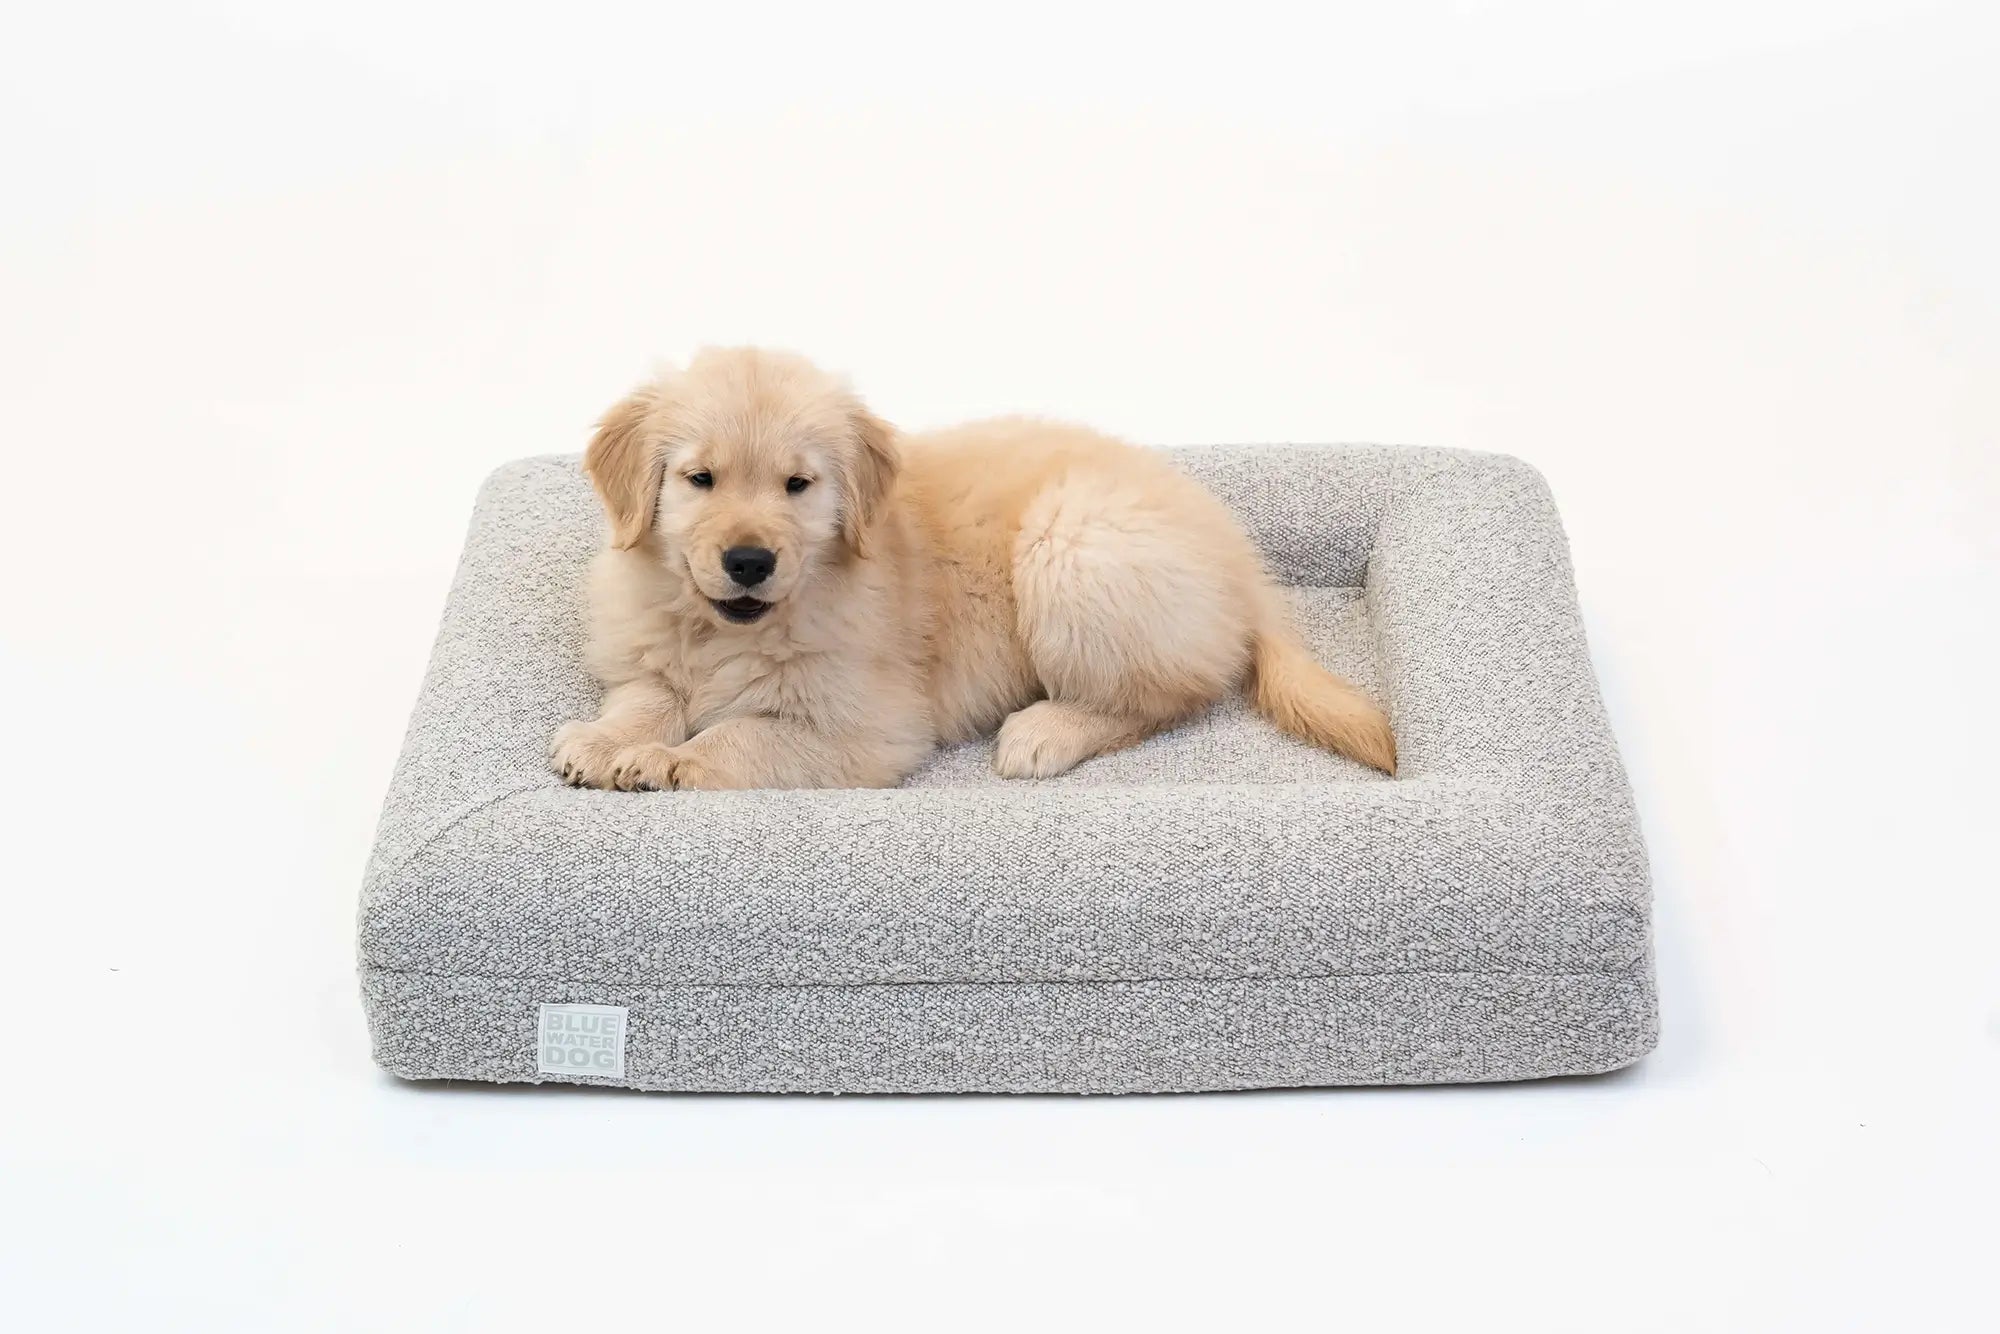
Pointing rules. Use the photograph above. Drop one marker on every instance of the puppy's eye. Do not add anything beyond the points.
(797, 484)
(704, 480)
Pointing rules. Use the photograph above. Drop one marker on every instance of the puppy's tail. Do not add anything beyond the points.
(1308, 701)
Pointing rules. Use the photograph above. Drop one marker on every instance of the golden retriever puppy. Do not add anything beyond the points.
(795, 595)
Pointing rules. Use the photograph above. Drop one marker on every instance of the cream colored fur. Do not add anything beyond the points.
(1071, 591)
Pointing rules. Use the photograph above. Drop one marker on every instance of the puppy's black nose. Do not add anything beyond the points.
(749, 566)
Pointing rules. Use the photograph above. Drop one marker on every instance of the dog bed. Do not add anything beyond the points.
(1220, 907)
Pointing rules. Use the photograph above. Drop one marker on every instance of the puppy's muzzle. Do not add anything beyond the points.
(746, 567)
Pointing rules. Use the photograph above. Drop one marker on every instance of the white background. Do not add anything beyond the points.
(277, 288)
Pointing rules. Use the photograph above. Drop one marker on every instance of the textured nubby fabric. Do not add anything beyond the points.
(1221, 907)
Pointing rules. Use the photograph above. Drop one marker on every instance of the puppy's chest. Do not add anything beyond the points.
(719, 685)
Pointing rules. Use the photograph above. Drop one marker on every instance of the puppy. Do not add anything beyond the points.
(795, 595)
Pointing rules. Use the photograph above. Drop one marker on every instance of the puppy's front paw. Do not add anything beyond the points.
(590, 755)
(584, 754)
(647, 767)
(691, 771)
(658, 767)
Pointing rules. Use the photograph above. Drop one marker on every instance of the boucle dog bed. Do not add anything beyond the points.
(1220, 907)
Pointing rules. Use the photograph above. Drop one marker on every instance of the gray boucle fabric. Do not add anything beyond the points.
(1221, 907)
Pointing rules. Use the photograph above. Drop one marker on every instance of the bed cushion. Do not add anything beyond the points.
(1220, 907)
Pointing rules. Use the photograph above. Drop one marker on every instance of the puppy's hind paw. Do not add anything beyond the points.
(1049, 738)
(1034, 743)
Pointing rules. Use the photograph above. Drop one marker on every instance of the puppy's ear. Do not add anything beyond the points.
(867, 474)
(625, 467)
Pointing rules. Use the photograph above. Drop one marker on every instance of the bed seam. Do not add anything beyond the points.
(1637, 970)
(453, 821)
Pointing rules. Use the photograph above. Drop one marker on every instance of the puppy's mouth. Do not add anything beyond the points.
(741, 610)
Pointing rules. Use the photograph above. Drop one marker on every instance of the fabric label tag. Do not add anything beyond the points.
(582, 1040)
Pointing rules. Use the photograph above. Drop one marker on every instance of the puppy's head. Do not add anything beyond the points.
(744, 473)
